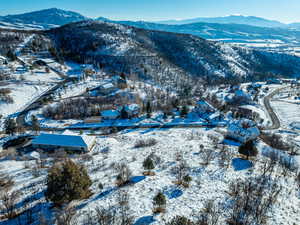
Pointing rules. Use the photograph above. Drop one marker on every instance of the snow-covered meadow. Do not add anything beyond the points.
(209, 182)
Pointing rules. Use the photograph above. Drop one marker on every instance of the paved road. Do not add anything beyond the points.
(274, 118)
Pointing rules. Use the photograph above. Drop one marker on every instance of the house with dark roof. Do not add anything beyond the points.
(68, 142)
(3, 60)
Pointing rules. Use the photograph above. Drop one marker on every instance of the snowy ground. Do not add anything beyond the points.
(288, 113)
(209, 182)
(25, 87)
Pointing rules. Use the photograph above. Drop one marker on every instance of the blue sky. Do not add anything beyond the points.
(153, 10)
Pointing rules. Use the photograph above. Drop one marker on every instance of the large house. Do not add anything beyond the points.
(243, 130)
(203, 107)
(106, 88)
(66, 141)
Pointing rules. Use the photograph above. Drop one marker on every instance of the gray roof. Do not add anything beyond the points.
(60, 140)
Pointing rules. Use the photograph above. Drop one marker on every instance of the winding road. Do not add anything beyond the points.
(274, 118)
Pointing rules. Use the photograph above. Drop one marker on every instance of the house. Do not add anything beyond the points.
(242, 130)
(110, 114)
(39, 62)
(3, 60)
(106, 88)
(254, 86)
(133, 110)
(202, 107)
(119, 82)
(239, 97)
(65, 141)
(273, 81)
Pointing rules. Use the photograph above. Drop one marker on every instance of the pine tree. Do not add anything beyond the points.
(159, 202)
(123, 76)
(67, 181)
(11, 55)
(148, 109)
(248, 149)
(10, 126)
(124, 113)
(184, 111)
(148, 164)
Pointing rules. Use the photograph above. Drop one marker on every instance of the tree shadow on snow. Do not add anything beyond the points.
(137, 179)
(241, 164)
(231, 143)
(173, 192)
(145, 220)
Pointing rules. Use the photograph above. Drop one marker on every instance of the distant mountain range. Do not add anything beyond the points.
(232, 29)
(43, 19)
(48, 18)
(233, 19)
(224, 32)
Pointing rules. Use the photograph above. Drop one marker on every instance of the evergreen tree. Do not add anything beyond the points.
(159, 202)
(124, 113)
(148, 109)
(66, 182)
(123, 76)
(248, 149)
(10, 126)
(184, 111)
(148, 164)
(11, 55)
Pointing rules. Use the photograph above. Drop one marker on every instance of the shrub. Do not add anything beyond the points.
(100, 186)
(180, 220)
(159, 202)
(66, 182)
(182, 174)
(124, 174)
(187, 179)
(275, 141)
(248, 149)
(35, 124)
(206, 156)
(10, 126)
(6, 181)
(252, 200)
(8, 201)
(298, 180)
(145, 143)
(66, 215)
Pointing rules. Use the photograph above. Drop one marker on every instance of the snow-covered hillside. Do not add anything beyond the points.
(43, 19)
(165, 55)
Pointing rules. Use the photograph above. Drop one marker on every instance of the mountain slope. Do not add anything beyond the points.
(43, 19)
(232, 19)
(163, 56)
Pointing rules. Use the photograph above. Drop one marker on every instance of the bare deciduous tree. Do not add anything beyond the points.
(8, 203)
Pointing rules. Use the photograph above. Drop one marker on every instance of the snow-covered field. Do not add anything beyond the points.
(209, 182)
(288, 113)
(22, 94)
(24, 90)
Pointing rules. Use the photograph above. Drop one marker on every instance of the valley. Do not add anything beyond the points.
(133, 123)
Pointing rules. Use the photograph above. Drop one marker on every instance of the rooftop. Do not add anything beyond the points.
(60, 140)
